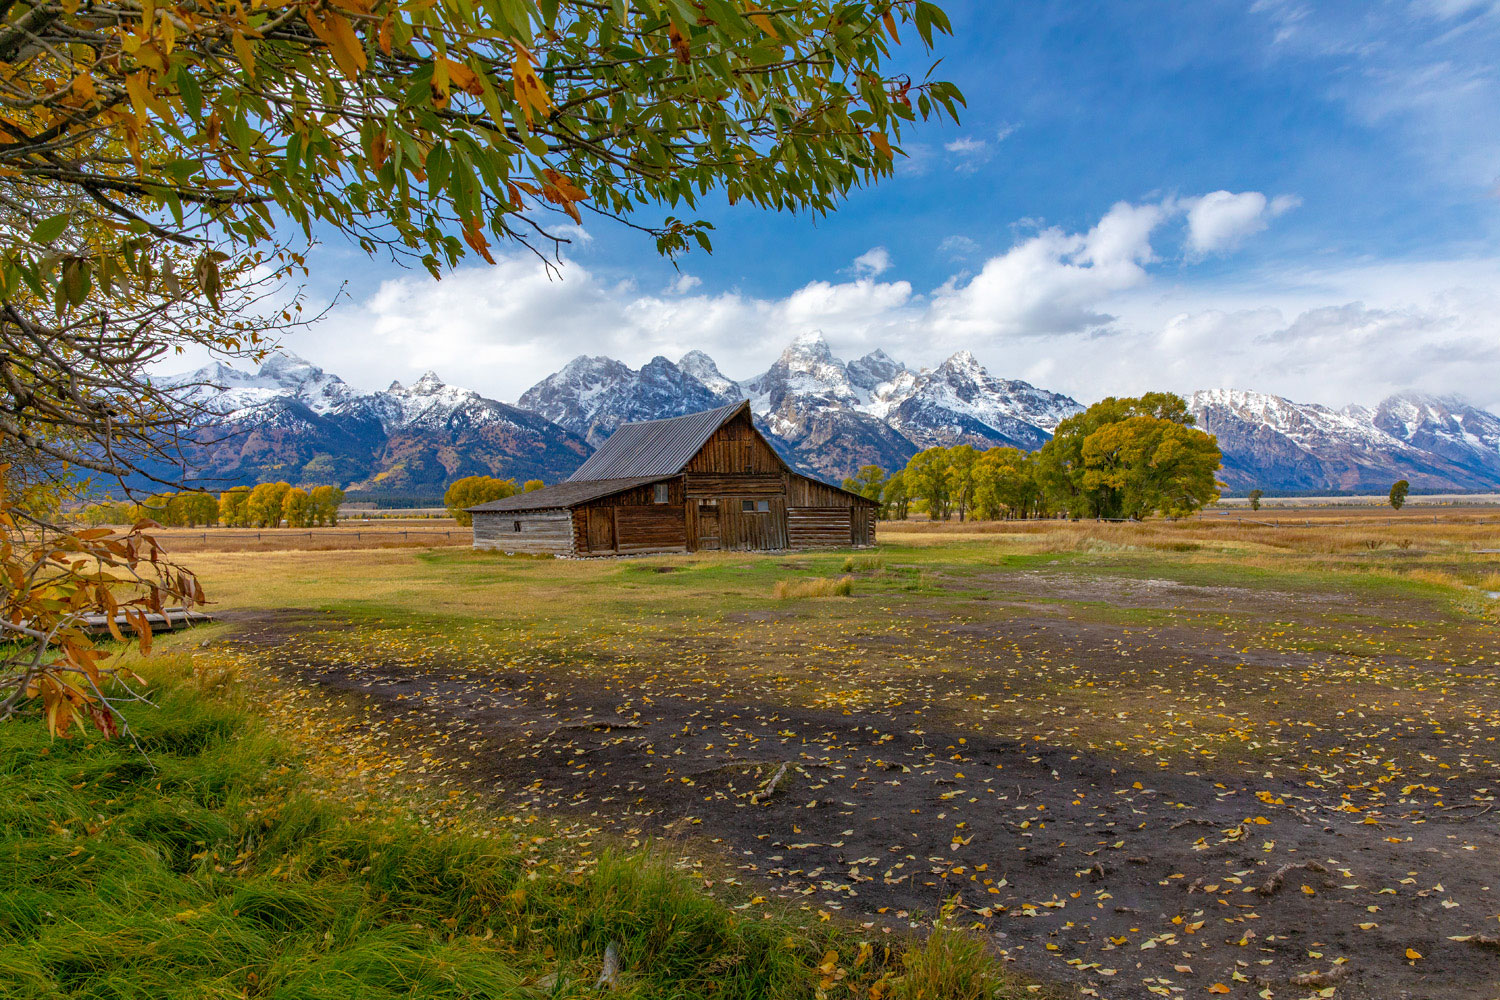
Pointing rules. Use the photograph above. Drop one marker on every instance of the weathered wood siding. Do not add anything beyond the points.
(657, 528)
(804, 492)
(819, 527)
(864, 524)
(633, 521)
(713, 484)
(736, 449)
(747, 531)
(542, 531)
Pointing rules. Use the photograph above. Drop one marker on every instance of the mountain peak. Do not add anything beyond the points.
(428, 384)
(810, 345)
(963, 360)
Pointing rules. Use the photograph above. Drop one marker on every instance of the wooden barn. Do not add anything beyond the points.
(705, 481)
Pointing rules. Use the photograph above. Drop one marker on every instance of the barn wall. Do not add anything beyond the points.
(736, 449)
(542, 532)
(819, 527)
(713, 484)
(657, 528)
(742, 530)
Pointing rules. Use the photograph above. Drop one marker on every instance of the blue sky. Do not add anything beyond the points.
(1300, 198)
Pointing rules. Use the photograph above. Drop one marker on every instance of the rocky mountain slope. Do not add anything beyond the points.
(1277, 445)
(291, 420)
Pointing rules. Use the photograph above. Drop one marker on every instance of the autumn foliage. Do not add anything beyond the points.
(53, 582)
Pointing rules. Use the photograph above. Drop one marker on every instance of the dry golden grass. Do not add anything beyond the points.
(788, 590)
(393, 533)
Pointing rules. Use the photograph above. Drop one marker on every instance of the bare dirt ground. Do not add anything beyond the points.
(1134, 786)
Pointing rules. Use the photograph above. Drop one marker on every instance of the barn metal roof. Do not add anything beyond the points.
(655, 447)
(565, 494)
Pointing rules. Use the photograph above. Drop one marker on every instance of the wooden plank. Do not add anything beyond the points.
(174, 619)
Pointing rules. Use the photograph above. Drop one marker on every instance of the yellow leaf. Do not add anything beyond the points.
(1413, 954)
(1218, 988)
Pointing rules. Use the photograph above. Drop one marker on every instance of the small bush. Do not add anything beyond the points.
(786, 590)
(864, 564)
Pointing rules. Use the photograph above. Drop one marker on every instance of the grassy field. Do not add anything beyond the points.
(1132, 760)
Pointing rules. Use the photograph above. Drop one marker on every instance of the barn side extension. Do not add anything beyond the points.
(702, 482)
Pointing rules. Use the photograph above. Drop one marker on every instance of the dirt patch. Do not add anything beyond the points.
(1290, 865)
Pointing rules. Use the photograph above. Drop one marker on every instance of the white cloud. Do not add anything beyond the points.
(685, 283)
(969, 154)
(872, 263)
(1089, 313)
(958, 246)
(1053, 282)
(1221, 220)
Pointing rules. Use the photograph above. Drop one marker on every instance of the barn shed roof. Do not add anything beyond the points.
(655, 447)
(565, 494)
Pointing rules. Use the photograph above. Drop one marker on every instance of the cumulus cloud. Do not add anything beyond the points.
(1052, 282)
(1221, 220)
(1081, 312)
(872, 263)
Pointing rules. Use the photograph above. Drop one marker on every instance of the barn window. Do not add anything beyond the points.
(748, 506)
(762, 505)
(661, 493)
(517, 526)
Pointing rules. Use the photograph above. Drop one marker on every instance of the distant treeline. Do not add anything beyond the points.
(268, 505)
(1120, 458)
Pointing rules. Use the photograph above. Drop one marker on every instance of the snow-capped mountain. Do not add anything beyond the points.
(1275, 444)
(1444, 426)
(593, 396)
(828, 417)
(221, 389)
(291, 420)
(959, 402)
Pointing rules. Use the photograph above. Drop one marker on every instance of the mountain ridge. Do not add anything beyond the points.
(291, 419)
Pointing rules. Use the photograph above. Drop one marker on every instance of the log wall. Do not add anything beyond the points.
(820, 527)
(542, 532)
(657, 528)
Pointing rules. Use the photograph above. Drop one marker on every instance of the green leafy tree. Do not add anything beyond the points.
(926, 477)
(1006, 485)
(198, 508)
(868, 482)
(1147, 458)
(962, 460)
(895, 500)
(1399, 490)
(1255, 496)
(1147, 465)
(326, 501)
(472, 491)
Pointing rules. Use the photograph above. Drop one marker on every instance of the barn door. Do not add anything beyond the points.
(708, 524)
(601, 529)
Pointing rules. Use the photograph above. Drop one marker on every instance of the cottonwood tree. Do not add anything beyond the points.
(1399, 490)
(1130, 457)
(470, 491)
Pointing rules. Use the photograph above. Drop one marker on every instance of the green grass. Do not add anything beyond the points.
(213, 865)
